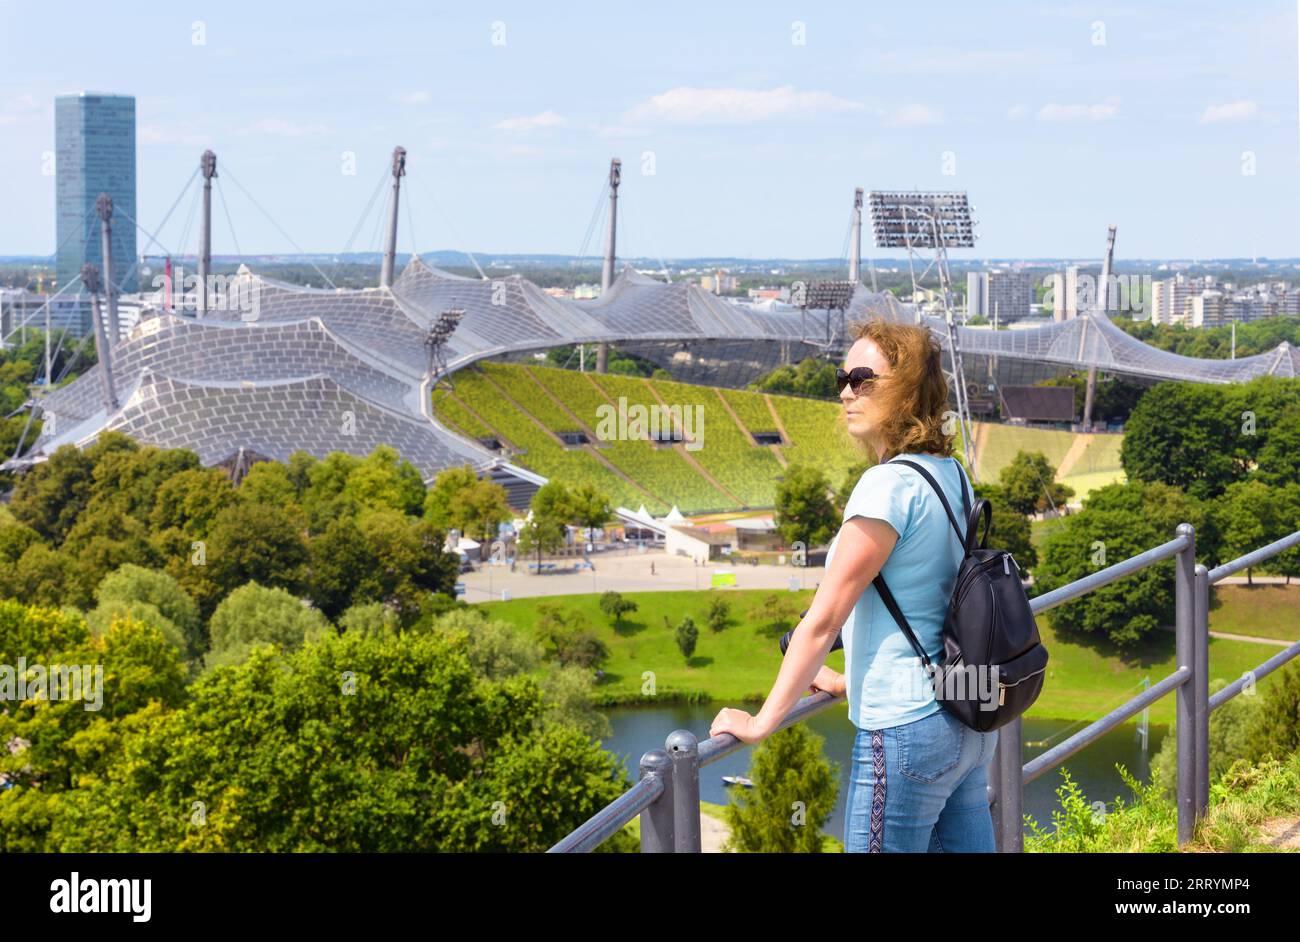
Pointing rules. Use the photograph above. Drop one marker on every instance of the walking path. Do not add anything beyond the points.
(628, 572)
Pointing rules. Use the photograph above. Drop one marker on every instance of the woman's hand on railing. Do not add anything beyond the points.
(740, 724)
(830, 681)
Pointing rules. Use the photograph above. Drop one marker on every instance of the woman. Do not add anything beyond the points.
(919, 775)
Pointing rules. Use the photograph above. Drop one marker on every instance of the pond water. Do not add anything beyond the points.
(638, 729)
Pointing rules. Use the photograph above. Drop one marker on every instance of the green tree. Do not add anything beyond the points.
(589, 507)
(254, 615)
(1010, 529)
(793, 795)
(361, 744)
(51, 494)
(804, 511)
(1278, 458)
(459, 499)
(1276, 731)
(1247, 516)
(1183, 434)
(615, 607)
(190, 500)
(541, 534)
(569, 636)
(253, 542)
(1029, 484)
(719, 614)
(686, 636)
(268, 482)
(1164, 507)
(134, 585)
(383, 480)
(1124, 611)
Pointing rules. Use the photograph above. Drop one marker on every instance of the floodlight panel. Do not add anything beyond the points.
(829, 295)
(909, 219)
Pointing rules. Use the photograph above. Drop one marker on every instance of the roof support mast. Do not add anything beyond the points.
(90, 278)
(607, 270)
(1103, 305)
(104, 207)
(208, 166)
(390, 249)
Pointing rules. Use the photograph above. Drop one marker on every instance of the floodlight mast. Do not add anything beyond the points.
(855, 256)
(607, 269)
(390, 249)
(436, 339)
(932, 221)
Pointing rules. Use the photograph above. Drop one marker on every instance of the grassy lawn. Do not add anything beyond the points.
(1085, 484)
(740, 663)
(737, 663)
(1265, 611)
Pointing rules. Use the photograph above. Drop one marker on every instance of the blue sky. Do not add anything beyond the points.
(757, 119)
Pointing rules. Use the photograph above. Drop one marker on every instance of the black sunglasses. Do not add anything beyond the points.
(856, 376)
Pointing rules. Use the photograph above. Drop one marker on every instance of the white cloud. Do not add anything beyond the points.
(1100, 112)
(1016, 112)
(278, 127)
(914, 114)
(415, 98)
(686, 105)
(547, 119)
(1232, 111)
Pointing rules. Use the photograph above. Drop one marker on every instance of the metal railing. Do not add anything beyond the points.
(667, 794)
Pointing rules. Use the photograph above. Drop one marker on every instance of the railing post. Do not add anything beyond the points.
(683, 750)
(657, 820)
(1185, 710)
(1009, 830)
(1201, 680)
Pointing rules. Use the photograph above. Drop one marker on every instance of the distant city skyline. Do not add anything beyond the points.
(742, 132)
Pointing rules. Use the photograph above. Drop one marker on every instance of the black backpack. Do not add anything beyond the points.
(989, 632)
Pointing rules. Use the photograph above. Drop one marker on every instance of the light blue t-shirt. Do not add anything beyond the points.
(885, 680)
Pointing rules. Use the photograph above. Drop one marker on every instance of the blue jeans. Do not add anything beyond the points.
(920, 787)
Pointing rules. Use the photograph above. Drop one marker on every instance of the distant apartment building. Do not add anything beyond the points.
(999, 295)
(1171, 298)
(1201, 302)
(94, 138)
(719, 282)
(1207, 309)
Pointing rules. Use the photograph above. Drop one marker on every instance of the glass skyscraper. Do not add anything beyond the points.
(94, 137)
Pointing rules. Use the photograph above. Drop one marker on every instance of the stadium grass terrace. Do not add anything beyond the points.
(527, 407)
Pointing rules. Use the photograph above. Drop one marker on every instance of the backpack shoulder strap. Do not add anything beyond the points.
(934, 485)
(882, 588)
(891, 603)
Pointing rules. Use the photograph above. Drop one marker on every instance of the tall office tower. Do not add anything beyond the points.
(1002, 295)
(94, 136)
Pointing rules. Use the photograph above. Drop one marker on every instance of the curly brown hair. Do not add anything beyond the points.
(914, 394)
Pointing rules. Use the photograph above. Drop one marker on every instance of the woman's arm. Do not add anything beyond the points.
(863, 545)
